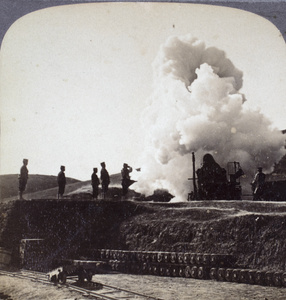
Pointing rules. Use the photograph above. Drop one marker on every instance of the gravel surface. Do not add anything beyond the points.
(169, 288)
(165, 288)
(12, 288)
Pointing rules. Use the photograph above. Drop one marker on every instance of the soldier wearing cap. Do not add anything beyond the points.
(258, 184)
(23, 178)
(94, 183)
(126, 182)
(61, 182)
(104, 177)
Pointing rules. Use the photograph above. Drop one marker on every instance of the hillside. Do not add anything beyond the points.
(36, 183)
(45, 186)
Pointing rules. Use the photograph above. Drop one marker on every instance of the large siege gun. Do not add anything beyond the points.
(214, 182)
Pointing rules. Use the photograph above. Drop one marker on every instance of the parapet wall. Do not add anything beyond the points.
(71, 228)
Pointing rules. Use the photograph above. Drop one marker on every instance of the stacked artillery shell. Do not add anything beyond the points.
(219, 267)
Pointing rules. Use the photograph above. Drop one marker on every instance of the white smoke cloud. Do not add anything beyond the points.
(196, 106)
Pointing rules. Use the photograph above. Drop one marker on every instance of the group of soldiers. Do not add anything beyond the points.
(105, 180)
(257, 183)
(95, 181)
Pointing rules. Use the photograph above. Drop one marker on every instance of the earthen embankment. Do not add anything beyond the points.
(254, 232)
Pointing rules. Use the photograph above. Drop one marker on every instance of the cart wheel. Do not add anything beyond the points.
(213, 273)
(194, 272)
(148, 256)
(173, 257)
(117, 265)
(269, 278)
(251, 277)
(127, 267)
(188, 271)
(235, 275)
(81, 277)
(131, 255)
(62, 277)
(121, 266)
(201, 273)
(89, 276)
(119, 254)
(199, 259)
(180, 257)
(283, 279)
(181, 272)
(228, 274)
(114, 254)
(206, 259)
(102, 254)
(174, 271)
(243, 276)
(259, 277)
(135, 268)
(167, 257)
(132, 267)
(155, 270)
(277, 279)
(112, 262)
(145, 268)
(162, 271)
(221, 274)
(186, 258)
(139, 256)
(154, 257)
(159, 257)
(193, 258)
(213, 259)
(143, 255)
(124, 255)
(168, 271)
(54, 279)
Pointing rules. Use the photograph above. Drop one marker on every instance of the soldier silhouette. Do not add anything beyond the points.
(61, 182)
(258, 184)
(23, 178)
(94, 183)
(126, 182)
(105, 180)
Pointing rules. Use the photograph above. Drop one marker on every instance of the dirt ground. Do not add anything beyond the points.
(12, 288)
(255, 232)
(165, 288)
(168, 288)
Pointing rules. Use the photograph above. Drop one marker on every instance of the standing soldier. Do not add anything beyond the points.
(23, 178)
(258, 184)
(61, 182)
(126, 182)
(94, 183)
(104, 177)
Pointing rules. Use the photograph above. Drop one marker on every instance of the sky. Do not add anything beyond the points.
(76, 79)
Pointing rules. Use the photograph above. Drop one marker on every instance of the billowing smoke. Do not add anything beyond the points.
(196, 106)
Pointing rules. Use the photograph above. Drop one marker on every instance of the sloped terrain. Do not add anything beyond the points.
(255, 232)
(46, 187)
(36, 183)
